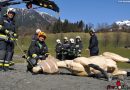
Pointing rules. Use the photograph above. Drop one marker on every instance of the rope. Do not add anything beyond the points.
(21, 49)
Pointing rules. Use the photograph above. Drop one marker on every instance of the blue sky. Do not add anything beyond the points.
(91, 11)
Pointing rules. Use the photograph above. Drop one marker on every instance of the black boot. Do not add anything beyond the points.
(8, 58)
(128, 74)
(1, 68)
(103, 72)
(5, 68)
(128, 61)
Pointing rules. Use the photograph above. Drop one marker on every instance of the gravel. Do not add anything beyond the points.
(19, 79)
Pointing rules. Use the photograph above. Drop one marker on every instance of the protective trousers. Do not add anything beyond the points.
(9, 51)
(3, 62)
(6, 53)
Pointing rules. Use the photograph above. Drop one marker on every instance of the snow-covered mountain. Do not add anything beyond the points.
(35, 14)
(29, 20)
(124, 22)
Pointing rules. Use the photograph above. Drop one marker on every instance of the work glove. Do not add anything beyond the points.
(1, 26)
(9, 33)
(15, 35)
(79, 50)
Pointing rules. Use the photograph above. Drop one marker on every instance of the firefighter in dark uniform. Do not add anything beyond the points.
(78, 46)
(93, 44)
(37, 51)
(7, 37)
(71, 50)
(58, 49)
(65, 48)
(35, 36)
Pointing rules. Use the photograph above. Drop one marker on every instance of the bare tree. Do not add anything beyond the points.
(105, 40)
(127, 40)
(117, 37)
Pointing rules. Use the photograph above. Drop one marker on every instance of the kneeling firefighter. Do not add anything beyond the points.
(37, 51)
(7, 37)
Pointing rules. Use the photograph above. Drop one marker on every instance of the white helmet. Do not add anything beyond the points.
(58, 41)
(78, 37)
(11, 10)
(92, 30)
(71, 40)
(38, 30)
(65, 38)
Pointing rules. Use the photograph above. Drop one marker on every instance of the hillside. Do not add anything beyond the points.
(29, 20)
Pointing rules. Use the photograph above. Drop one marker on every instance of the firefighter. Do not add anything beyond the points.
(66, 46)
(65, 41)
(35, 36)
(71, 50)
(93, 43)
(37, 51)
(78, 46)
(58, 49)
(7, 37)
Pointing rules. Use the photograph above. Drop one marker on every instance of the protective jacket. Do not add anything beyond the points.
(7, 26)
(78, 47)
(7, 38)
(38, 49)
(93, 45)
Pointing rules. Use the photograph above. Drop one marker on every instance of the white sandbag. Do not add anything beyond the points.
(97, 60)
(49, 65)
(61, 64)
(115, 57)
(36, 69)
(73, 67)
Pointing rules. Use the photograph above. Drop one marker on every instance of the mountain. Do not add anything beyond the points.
(122, 23)
(30, 20)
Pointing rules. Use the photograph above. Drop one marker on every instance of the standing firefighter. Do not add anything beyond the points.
(78, 46)
(37, 51)
(93, 44)
(66, 46)
(58, 49)
(35, 36)
(7, 37)
(71, 50)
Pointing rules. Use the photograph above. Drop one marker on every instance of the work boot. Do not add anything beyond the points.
(6, 68)
(128, 74)
(11, 63)
(1, 68)
(128, 61)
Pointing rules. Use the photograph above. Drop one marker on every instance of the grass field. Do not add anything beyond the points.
(112, 42)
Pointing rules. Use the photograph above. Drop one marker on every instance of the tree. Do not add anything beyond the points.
(57, 27)
(65, 26)
(81, 25)
(117, 37)
(103, 27)
(86, 30)
(106, 39)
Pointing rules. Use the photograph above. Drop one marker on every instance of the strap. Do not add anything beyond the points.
(40, 45)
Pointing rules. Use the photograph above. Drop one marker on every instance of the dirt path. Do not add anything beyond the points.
(19, 79)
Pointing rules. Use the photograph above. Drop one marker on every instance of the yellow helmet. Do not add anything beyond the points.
(42, 34)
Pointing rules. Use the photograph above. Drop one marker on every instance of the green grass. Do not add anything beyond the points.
(24, 42)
